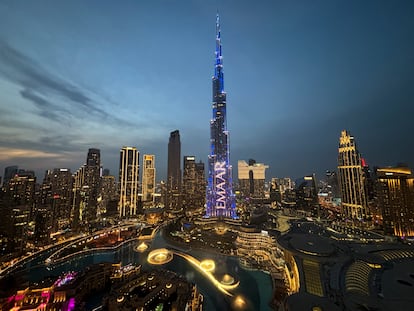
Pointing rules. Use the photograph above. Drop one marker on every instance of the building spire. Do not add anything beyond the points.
(220, 198)
(218, 70)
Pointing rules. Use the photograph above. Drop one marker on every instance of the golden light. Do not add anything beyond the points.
(142, 247)
(208, 265)
(239, 302)
(227, 280)
(159, 256)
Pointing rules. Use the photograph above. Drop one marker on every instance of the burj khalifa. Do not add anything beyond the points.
(220, 198)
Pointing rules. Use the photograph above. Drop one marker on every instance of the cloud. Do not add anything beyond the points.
(22, 69)
(13, 153)
(46, 109)
(40, 86)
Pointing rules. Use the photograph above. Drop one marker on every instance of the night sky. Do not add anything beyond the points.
(81, 74)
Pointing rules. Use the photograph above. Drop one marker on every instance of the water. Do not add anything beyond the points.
(255, 286)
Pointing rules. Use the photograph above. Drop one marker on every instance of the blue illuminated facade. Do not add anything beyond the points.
(220, 198)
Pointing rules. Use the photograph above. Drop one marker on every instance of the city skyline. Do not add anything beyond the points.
(72, 80)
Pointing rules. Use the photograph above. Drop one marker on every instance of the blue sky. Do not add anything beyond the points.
(81, 74)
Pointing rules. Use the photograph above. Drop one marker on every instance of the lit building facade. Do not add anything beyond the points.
(92, 183)
(109, 195)
(220, 197)
(59, 184)
(148, 178)
(173, 196)
(194, 186)
(395, 195)
(351, 179)
(9, 173)
(306, 193)
(17, 207)
(128, 181)
(78, 198)
(252, 177)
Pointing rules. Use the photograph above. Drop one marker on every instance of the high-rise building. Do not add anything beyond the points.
(194, 186)
(351, 179)
(173, 197)
(17, 207)
(79, 201)
(148, 178)
(220, 198)
(128, 181)
(58, 197)
(92, 183)
(307, 194)
(395, 195)
(109, 196)
(9, 173)
(21, 188)
(252, 177)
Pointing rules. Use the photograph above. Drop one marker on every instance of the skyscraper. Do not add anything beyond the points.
(252, 177)
(395, 195)
(9, 173)
(220, 197)
(92, 182)
(59, 183)
(174, 171)
(351, 179)
(128, 181)
(79, 198)
(306, 191)
(148, 178)
(194, 186)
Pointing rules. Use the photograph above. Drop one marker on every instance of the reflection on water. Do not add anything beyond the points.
(253, 293)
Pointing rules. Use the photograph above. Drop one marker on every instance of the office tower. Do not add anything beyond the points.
(58, 197)
(220, 198)
(148, 179)
(174, 172)
(79, 199)
(128, 181)
(252, 177)
(194, 186)
(332, 186)
(92, 183)
(18, 207)
(368, 181)
(9, 173)
(274, 193)
(351, 179)
(307, 194)
(108, 203)
(395, 195)
(21, 188)
(106, 172)
(329, 195)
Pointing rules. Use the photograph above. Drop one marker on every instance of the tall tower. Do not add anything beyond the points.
(252, 178)
(395, 195)
(194, 185)
(128, 181)
(9, 173)
(174, 171)
(59, 184)
(148, 178)
(351, 179)
(220, 197)
(92, 182)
